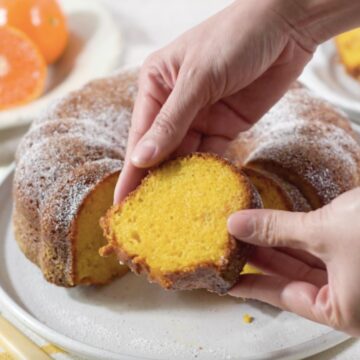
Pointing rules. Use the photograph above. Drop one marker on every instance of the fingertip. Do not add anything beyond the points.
(129, 178)
(241, 225)
(144, 154)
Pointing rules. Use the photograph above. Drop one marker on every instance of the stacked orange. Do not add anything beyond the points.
(33, 34)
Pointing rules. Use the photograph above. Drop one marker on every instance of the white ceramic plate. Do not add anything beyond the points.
(132, 319)
(93, 51)
(328, 78)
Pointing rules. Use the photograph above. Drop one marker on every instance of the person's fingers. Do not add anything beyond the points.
(305, 257)
(214, 144)
(190, 143)
(274, 228)
(173, 120)
(153, 92)
(130, 177)
(275, 262)
(295, 296)
(244, 107)
(222, 119)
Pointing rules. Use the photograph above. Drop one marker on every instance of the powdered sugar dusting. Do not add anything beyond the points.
(108, 102)
(323, 154)
(65, 128)
(50, 159)
(87, 125)
(75, 186)
(306, 135)
(63, 202)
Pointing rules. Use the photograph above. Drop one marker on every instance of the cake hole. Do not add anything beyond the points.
(135, 236)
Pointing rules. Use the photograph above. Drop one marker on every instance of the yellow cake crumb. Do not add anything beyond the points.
(249, 269)
(248, 319)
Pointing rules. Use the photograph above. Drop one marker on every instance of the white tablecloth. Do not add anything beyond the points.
(147, 25)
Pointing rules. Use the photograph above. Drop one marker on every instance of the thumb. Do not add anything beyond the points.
(172, 122)
(274, 228)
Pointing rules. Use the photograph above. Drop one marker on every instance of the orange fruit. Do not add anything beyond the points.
(22, 68)
(42, 20)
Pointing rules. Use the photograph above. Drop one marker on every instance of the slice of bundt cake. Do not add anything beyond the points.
(173, 226)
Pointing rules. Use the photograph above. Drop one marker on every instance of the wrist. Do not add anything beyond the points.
(315, 21)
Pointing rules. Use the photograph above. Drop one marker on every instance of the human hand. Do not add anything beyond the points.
(214, 81)
(317, 276)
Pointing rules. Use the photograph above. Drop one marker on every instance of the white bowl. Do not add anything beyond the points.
(94, 50)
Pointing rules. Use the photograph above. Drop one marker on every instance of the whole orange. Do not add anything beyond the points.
(42, 20)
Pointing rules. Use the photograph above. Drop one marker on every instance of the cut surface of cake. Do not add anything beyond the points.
(173, 226)
(90, 267)
(275, 192)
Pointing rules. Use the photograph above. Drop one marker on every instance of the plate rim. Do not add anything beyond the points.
(311, 80)
(309, 347)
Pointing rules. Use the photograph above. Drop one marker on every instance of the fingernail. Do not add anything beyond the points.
(143, 153)
(241, 225)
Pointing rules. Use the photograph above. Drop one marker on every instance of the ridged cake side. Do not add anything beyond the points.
(69, 151)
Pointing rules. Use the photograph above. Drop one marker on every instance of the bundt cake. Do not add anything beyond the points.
(173, 226)
(301, 155)
(348, 46)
